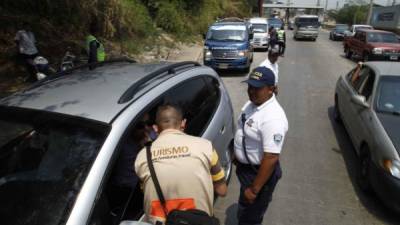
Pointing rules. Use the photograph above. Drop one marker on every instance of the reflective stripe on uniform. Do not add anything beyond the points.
(280, 34)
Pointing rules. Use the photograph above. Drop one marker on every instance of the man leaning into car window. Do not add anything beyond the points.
(187, 168)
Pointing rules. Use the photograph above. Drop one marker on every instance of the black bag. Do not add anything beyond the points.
(178, 217)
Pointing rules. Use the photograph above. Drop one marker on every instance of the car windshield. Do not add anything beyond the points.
(274, 22)
(382, 37)
(363, 28)
(306, 22)
(43, 164)
(388, 95)
(259, 28)
(226, 35)
(342, 27)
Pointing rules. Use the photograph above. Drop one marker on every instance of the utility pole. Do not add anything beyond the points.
(337, 5)
(260, 8)
(371, 4)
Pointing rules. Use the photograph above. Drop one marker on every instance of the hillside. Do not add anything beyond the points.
(126, 27)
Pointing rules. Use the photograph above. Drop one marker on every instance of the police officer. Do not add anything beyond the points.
(281, 40)
(258, 143)
(94, 48)
(187, 168)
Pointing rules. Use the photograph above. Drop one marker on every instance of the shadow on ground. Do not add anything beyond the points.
(369, 201)
(231, 73)
(230, 215)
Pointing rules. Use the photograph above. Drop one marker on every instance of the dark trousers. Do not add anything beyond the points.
(27, 61)
(282, 47)
(253, 214)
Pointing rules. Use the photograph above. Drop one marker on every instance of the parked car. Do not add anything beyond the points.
(373, 45)
(355, 27)
(61, 139)
(367, 102)
(306, 26)
(259, 27)
(227, 46)
(337, 33)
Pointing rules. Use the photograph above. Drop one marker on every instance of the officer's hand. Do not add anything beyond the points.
(249, 195)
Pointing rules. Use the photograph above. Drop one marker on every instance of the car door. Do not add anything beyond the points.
(354, 110)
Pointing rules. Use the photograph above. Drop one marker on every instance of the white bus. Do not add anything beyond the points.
(306, 26)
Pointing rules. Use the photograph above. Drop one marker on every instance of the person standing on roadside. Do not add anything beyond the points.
(271, 62)
(258, 143)
(94, 48)
(282, 40)
(273, 37)
(188, 169)
(27, 50)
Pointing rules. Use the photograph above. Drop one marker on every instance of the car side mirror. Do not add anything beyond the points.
(129, 222)
(251, 36)
(204, 36)
(360, 100)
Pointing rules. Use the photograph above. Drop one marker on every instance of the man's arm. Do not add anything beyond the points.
(92, 52)
(266, 169)
(218, 176)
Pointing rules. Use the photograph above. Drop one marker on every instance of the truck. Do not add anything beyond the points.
(306, 26)
(227, 46)
(386, 18)
(372, 45)
(259, 27)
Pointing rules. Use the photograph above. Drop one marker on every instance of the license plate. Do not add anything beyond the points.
(223, 66)
(394, 57)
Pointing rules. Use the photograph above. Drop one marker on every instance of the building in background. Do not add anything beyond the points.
(386, 18)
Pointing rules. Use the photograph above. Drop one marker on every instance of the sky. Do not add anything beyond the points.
(332, 3)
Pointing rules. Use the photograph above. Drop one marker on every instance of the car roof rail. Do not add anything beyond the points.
(169, 69)
(50, 78)
(231, 19)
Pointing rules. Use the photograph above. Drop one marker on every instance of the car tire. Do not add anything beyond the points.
(336, 113)
(246, 70)
(364, 170)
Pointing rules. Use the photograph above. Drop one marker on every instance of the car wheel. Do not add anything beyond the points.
(336, 113)
(363, 173)
(314, 39)
(247, 69)
(348, 53)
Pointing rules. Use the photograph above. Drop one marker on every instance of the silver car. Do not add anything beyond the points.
(367, 101)
(61, 140)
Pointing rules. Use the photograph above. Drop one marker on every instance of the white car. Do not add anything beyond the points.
(356, 27)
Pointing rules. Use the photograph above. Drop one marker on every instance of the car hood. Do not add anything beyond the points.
(385, 45)
(391, 124)
(260, 35)
(232, 45)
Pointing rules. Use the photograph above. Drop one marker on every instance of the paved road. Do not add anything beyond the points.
(319, 182)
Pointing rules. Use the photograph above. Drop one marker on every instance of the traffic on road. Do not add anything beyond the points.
(273, 126)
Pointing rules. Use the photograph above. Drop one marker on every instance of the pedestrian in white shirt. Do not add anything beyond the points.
(271, 61)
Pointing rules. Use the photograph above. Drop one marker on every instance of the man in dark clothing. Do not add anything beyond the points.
(273, 37)
(27, 50)
(94, 48)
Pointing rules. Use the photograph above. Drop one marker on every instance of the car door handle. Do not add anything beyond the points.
(222, 130)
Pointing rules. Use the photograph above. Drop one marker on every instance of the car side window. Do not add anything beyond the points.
(368, 85)
(359, 79)
(198, 99)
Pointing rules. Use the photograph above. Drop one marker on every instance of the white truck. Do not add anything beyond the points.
(259, 27)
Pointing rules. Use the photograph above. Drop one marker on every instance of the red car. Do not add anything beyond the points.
(373, 45)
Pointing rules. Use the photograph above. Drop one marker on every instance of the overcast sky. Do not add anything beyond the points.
(332, 3)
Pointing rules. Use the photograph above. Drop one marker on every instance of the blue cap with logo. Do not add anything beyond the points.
(260, 77)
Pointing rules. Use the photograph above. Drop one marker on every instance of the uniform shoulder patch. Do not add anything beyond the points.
(278, 138)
